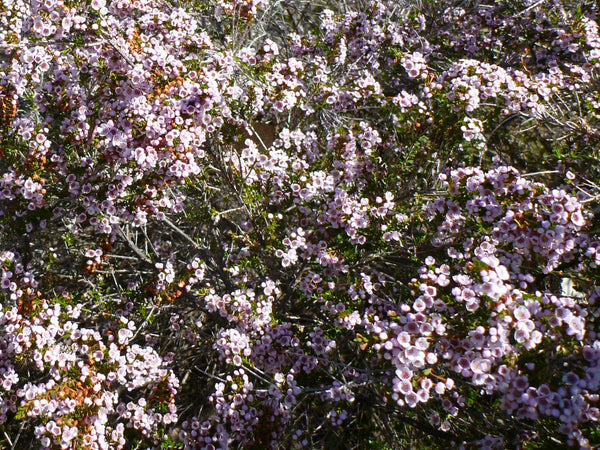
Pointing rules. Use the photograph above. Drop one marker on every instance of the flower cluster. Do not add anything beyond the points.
(88, 388)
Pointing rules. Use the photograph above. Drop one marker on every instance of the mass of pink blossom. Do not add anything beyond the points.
(262, 224)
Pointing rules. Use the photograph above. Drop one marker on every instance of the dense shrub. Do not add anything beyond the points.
(256, 224)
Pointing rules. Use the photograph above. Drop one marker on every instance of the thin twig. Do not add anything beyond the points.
(8, 439)
(114, 45)
(45, 44)
(144, 323)
(134, 247)
(543, 172)
(210, 375)
(529, 8)
(181, 232)
(14, 444)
